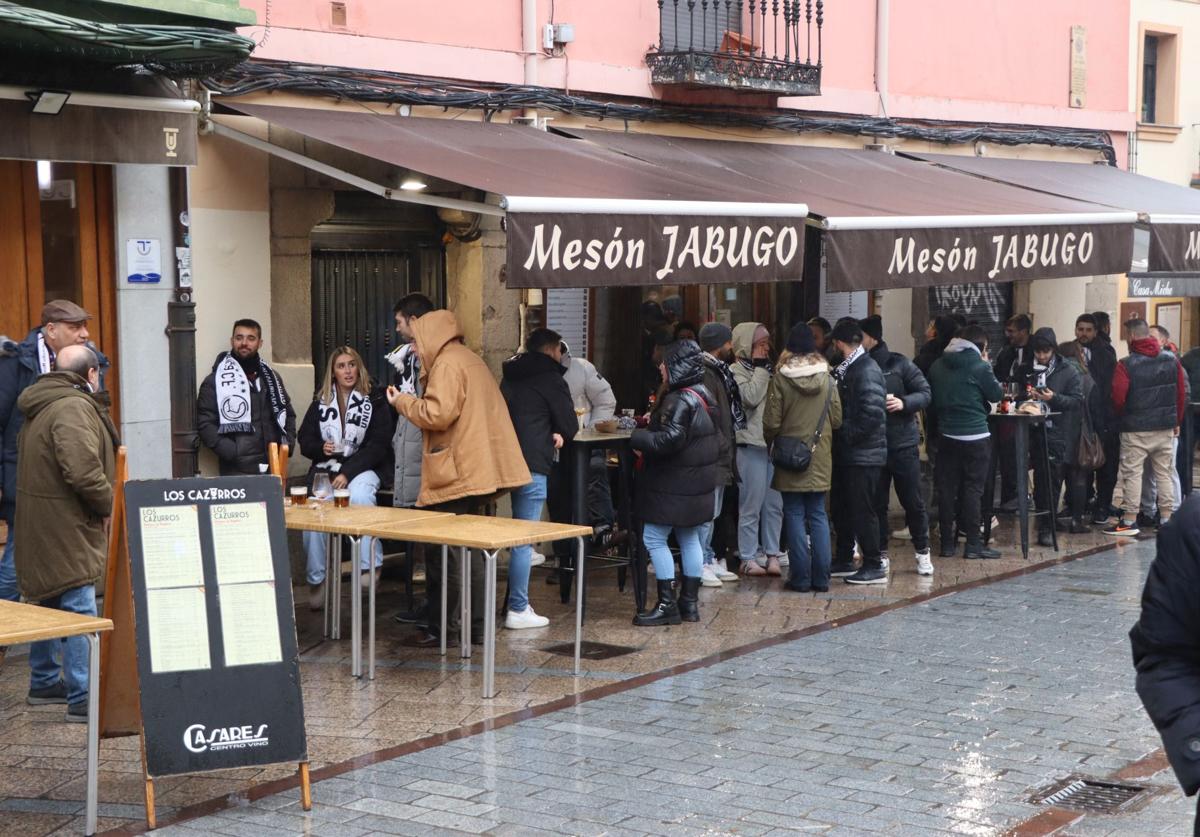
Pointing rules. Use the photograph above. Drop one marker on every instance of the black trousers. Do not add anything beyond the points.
(1076, 479)
(961, 472)
(1046, 491)
(854, 518)
(599, 500)
(904, 468)
(1106, 476)
(433, 574)
(1006, 460)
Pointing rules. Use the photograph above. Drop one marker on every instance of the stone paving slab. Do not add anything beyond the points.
(942, 717)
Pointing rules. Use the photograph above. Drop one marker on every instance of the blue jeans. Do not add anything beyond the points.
(706, 530)
(527, 502)
(9, 591)
(44, 657)
(804, 512)
(362, 493)
(654, 538)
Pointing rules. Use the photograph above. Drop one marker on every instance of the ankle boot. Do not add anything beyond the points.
(689, 599)
(666, 612)
(1078, 527)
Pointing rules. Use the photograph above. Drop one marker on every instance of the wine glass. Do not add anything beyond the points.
(581, 408)
(322, 487)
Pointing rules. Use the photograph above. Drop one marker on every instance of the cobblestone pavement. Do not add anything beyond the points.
(943, 716)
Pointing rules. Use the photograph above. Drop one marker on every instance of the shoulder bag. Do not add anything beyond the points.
(793, 454)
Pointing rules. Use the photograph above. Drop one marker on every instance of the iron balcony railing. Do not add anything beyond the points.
(763, 46)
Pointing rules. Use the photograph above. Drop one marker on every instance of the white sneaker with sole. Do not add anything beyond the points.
(885, 562)
(721, 571)
(924, 563)
(537, 559)
(708, 577)
(515, 621)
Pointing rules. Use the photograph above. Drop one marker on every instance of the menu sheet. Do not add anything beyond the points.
(178, 624)
(241, 542)
(250, 624)
(171, 547)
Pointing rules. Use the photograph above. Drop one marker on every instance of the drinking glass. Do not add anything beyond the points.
(322, 487)
(581, 408)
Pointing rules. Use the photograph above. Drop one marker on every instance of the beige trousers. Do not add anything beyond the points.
(1157, 446)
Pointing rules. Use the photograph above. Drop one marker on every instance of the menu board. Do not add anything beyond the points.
(215, 624)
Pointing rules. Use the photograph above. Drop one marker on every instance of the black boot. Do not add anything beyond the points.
(1078, 527)
(1045, 537)
(665, 612)
(689, 599)
(977, 549)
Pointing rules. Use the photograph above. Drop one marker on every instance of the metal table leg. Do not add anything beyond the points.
(1021, 447)
(93, 732)
(445, 568)
(335, 578)
(355, 609)
(581, 456)
(464, 629)
(371, 616)
(327, 596)
(489, 623)
(1050, 493)
(988, 505)
(579, 576)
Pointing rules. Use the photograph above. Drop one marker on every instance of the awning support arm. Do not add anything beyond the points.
(352, 179)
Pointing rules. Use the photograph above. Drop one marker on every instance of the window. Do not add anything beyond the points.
(1158, 82)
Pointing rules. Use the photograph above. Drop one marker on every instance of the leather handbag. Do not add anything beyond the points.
(794, 454)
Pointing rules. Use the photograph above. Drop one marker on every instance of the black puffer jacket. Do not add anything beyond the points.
(539, 403)
(241, 453)
(1166, 643)
(903, 379)
(862, 438)
(1066, 382)
(678, 482)
(1102, 366)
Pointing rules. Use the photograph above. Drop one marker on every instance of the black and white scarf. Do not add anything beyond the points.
(45, 360)
(407, 363)
(350, 432)
(840, 372)
(731, 389)
(1043, 372)
(233, 395)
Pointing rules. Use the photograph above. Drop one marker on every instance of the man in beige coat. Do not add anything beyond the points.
(65, 464)
(471, 453)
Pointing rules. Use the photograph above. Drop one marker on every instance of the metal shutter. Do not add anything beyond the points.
(567, 313)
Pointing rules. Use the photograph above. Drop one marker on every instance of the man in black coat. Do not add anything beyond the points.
(716, 343)
(1092, 333)
(1166, 645)
(907, 394)
(859, 455)
(1059, 384)
(543, 414)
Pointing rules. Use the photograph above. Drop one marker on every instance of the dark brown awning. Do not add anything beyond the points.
(579, 214)
(891, 222)
(1173, 212)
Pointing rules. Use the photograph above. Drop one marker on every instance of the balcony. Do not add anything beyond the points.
(755, 46)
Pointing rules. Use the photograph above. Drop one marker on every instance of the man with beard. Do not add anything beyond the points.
(243, 407)
(1091, 332)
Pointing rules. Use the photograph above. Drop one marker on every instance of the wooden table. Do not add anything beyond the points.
(355, 522)
(21, 623)
(490, 535)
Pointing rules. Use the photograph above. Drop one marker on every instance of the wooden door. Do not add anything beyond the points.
(57, 242)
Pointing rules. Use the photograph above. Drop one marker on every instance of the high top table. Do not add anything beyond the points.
(490, 535)
(1021, 422)
(356, 523)
(30, 623)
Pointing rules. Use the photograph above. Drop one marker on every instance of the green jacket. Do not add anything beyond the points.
(963, 385)
(795, 400)
(752, 382)
(66, 459)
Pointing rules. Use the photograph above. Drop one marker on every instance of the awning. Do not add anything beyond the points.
(577, 214)
(1173, 212)
(891, 222)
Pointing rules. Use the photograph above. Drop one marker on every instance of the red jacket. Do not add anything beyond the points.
(1149, 347)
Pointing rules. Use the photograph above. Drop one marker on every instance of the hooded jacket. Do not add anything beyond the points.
(903, 379)
(470, 447)
(1066, 382)
(585, 382)
(19, 369)
(723, 417)
(66, 461)
(1149, 389)
(862, 438)
(794, 403)
(1166, 644)
(241, 453)
(963, 385)
(680, 446)
(753, 378)
(539, 404)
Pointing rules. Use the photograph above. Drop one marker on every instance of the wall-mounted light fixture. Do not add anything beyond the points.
(45, 175)
(412, 184)
(48, 102)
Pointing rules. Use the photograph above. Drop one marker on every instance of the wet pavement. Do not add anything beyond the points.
(943, 715)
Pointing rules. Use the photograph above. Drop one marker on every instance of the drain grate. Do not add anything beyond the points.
(1091, 796)
(591, 650)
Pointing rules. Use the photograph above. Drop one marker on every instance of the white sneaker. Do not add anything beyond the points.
(708, 577)
(902, 534)
(515, 621)
(885, 562)
(783, 558)
(721, 571)
(537, 559)
(924, 563)
(857, 551)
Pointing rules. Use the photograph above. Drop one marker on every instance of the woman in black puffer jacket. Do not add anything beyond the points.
(675, 490)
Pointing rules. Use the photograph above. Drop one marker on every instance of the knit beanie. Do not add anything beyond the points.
(714, 336)
(800, 340)
(872, 326)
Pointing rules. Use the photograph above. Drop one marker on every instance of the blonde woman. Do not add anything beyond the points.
(347, 434)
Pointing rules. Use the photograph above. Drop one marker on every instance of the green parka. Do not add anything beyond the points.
(66, 459)
(795, 400)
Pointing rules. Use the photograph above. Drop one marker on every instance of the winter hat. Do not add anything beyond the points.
(714, 336)
(1044, 338)
(800, 340)
(847, 331)
(872, 326)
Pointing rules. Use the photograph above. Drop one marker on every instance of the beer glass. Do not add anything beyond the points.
(341, 498)
(299, 495)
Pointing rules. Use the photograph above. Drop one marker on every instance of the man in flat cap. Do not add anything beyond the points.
(63, 324)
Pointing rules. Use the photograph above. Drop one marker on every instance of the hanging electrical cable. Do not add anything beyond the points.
(400, 88)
